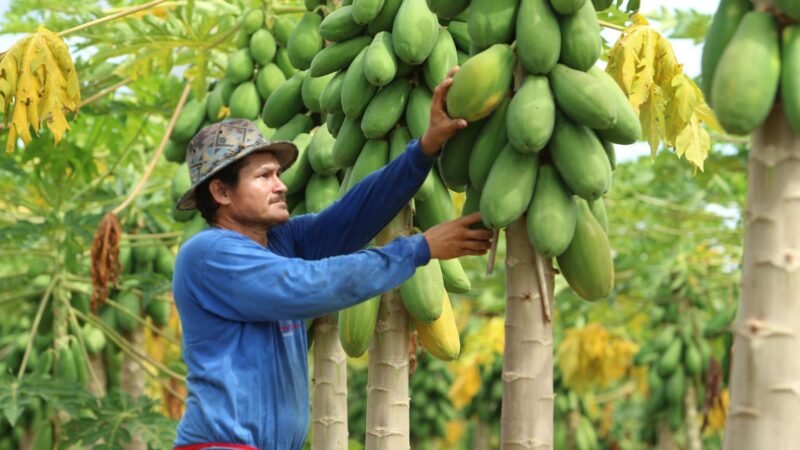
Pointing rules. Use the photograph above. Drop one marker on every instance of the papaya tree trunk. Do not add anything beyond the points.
(527, 412)
(388, 403)
(329, 397)
(765, 374)
(693, 439)
(133, 378)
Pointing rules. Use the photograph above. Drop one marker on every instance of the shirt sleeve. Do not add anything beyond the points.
(248, 283)
(356, 218)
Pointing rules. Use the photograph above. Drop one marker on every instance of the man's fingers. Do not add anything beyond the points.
(452, 72)
(480, 235)
(471, 218)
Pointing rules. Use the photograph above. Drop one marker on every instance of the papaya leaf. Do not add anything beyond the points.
(38, 78)
(671, 107)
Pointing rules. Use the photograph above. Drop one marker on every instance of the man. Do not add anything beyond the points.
(244, 286)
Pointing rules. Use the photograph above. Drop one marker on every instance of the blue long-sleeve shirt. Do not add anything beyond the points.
(242, 306)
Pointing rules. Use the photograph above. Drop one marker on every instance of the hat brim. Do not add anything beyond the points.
(285, 152)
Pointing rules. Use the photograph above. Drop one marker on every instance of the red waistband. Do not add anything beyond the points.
(214, 444)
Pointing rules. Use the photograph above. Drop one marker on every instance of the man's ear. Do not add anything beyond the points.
(220, 192)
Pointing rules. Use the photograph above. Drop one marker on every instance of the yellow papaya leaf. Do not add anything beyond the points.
(466, 384)
(38, 80)
(671, 107)
(591, 357)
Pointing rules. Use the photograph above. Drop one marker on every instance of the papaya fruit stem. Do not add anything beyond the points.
(492, 252)
(610, 25)
(35, 327)
(164, 139)
(110, 17)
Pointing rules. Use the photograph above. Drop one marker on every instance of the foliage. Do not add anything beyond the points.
(37, 75)
(670, 105)
(591, 357)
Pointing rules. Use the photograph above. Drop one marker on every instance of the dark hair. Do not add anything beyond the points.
(205, 201)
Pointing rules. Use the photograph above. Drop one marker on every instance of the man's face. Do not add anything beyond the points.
(260, 196)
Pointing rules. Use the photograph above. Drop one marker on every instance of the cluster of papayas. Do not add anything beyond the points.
(677, 357)
(540, 142)
(369, 68)
(743, 90)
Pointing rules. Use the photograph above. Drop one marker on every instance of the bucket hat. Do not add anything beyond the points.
(221, 144)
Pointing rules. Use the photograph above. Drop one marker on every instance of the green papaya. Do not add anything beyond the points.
(422, 294)
(245, 102)
(587, 263)
(789, 7)
(454, 278)
(448, 8)
(385, 19)
(538, 37)
(583, 97)
(65, 369)
(398, 142)
(282, 26)
(311, 5)
(581, 43)
(598, 208)
(357, 325)
(435, 208)
(566, 7)
(531, 115)
(165, 262)
(628, 128)
(158, 310)
(300, 123)
(296, 176)
(94, 338)
(143, 258)
(181, 182)
(283, 63)
(349, 142)
(268, 79)
(481, 84)
(214, 106)
(321, 191)
(242, 40)
(580, 159)
(365, 11)
(338, 56)
(509, 187)
(175, 152)
(284, 102)
(253, 20)
(454, 160)
(443, 57)
(744, 88)
(611, 153)
(340, 25)
(372, 157)
(492, 22)
(300, 208)
(320, 152)
(491, 140)
(305, 41)
(460, 34)
(671, 358)
(676, 387)
(723, 26)
(380, 62)
(472, 204)
(331, 99)
(664, 338)
(414, 32)
(418, 111)
(81, 368)
(334, 123)
(357, 91)
(43, 436)
(602, 5)
(692, 360)
(385, 109)
(129, 311)
(240, 66)
(552, 215)
(189, 120)
(265, 131)
(262, 47)
(462, 57)
(790, 67)
(311, 91)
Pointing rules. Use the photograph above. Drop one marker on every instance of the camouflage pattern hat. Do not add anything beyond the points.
(221, 144)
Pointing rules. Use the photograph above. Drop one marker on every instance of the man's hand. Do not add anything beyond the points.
(441, 126)
(455, 238)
